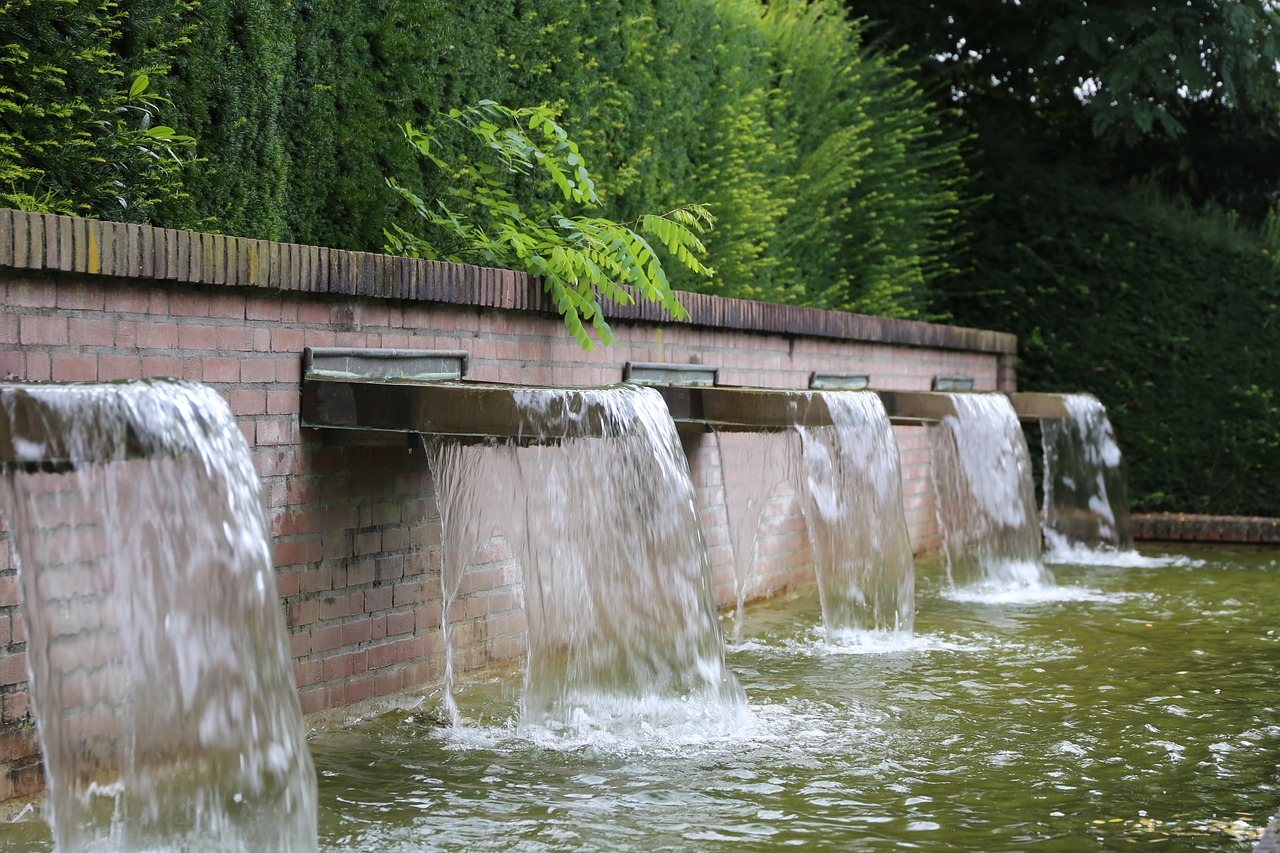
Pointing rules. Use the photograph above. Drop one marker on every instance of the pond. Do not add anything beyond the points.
(1131, 705)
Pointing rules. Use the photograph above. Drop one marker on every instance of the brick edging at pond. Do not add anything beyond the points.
(1190, 527)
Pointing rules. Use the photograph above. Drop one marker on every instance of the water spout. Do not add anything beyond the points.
(986, 496)
(622, 630)
(1085, 495)
(160, 672)
(851, 485)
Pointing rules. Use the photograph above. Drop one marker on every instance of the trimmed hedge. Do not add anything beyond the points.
(823, 165)
(1168, 316)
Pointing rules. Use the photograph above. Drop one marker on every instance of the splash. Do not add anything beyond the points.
(159, 663)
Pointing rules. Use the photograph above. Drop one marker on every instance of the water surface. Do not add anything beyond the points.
(1134, 706)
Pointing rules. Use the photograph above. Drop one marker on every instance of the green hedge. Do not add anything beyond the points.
(830, 183)
(1167, 316)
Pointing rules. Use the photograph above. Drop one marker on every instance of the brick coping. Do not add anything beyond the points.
(35, 241)
(1193, 527)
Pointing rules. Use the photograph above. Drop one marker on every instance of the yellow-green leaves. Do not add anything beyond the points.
(582, 259)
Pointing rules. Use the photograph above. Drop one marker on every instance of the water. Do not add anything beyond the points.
(852, 491)
(1138, 710)
(160, 672)
(986, 497)
(622, 631)
(1085, 498)
(754, 466)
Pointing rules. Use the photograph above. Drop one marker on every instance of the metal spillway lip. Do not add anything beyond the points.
(383, 365)
(1038, 406)
(741, 409)
(661, 374)
(455, 408)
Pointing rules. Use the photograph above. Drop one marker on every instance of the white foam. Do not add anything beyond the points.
(818, 644)
(1060, 551)
(1030, 594)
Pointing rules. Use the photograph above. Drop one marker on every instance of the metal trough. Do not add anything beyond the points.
(1031, 406)
(744, 409)
(389, 396)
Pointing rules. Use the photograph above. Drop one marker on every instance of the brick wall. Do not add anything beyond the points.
(356, 529)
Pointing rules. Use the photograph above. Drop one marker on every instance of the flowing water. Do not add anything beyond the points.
(622, 630)
(1085, 499)
(1137, 707)
(754, 466)
(852, 494)
(160, 671)
(986, 497)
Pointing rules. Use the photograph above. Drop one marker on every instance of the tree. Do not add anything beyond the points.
(472, 216)
(80, 129)
(1182, 94)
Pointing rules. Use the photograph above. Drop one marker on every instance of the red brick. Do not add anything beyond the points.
(14, 707)
(69, 367)
(93, 332)
(315, 313)
(262, 308)
(356, 632)
(125, 335)
(337, 606)
(401, 622)
(284, 402)
(13, 668)
(378, 599)
(88, 297)
(35, 329)
(188, 304)
(275, 431)
(247, 402)
(221, 370)
(158, 366)
(116, 367)
(382, 656)
(235, 338)
(339, 666)
(258, 370)
(359, 690)
(286, 340)
(326, 639)
(307, 672)
(228, 305)
(195, 337)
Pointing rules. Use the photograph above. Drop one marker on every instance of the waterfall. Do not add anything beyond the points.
(160, 672)
(986, 496)
(851, 486)
(1085, 497)
(622, 629)
(753, 465)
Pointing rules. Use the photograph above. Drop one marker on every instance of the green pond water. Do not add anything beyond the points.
(1132, 707)
(1135, 705)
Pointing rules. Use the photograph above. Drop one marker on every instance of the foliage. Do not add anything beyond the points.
(228, 93)
(1184, 94)
(474, 217)
(80, 129)
(1163, 312)
(831, 183)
